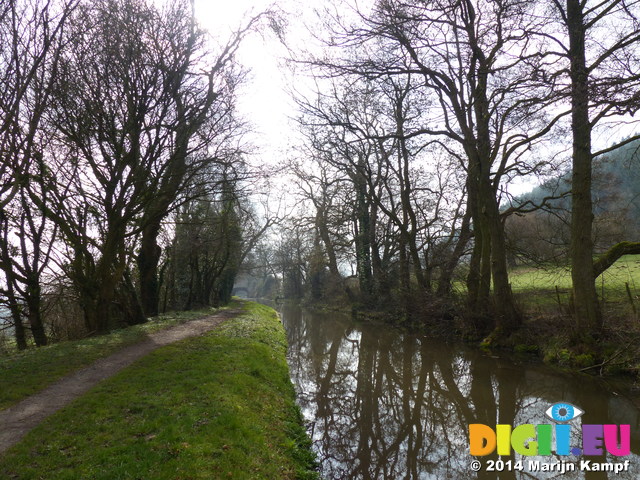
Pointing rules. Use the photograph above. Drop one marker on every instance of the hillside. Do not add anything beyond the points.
(542, 236)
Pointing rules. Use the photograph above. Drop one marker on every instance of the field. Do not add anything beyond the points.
(548, 288)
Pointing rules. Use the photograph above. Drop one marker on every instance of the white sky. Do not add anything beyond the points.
(264, 100)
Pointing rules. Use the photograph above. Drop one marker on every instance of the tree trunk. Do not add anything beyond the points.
(409, 220)
(103, 315)
(323, 230)
(506, 314)
(479, 277)
(363, 247)
(35, 316)
(446, 274)
(130, 302)
(418, 271)
(405, 279)
(508, 317)
(614, 253)
(474, 277)
(97, 284)
(9, 274)
(32, 298)
(148, 260)
(378, 272)
(585, 299)
(18, 327)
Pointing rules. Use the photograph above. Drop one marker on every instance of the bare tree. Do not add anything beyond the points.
(602, 48)
(401, 201)
(321, 185)
(478, 65)
(205, 131)
(139, 109)
(31, 45)
(206, 250)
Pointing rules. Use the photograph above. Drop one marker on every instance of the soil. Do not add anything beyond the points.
(17, 420)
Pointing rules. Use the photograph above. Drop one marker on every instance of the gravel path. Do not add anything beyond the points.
(17, 420)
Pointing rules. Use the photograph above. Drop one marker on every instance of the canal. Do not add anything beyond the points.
(381, 403)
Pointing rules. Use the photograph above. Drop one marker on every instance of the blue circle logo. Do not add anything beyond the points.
(563, 412)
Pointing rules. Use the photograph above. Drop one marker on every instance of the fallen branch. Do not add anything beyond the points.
(609, 360)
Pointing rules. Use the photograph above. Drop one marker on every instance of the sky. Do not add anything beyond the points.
(264, 100)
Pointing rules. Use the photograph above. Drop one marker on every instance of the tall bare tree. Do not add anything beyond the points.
(478, 64)
(205, 134)
(361, 131)
(139, 103)
(602, 47)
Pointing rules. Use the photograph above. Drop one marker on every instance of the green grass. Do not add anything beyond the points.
(536, 287)
(25, 373)
(216, 406)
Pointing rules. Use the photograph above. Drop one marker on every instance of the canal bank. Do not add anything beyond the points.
(544, 336)
(384, 403)
(220, 405)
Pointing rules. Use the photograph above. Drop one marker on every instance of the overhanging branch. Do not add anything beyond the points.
(614, 253)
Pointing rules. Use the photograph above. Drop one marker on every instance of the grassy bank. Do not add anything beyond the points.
(216, 406)
(544, 295)
(549, 329)
(25, 373)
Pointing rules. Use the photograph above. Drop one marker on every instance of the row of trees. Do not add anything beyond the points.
(117, 137)
(428, 109)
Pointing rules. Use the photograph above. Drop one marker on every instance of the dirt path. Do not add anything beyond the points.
(17, 420)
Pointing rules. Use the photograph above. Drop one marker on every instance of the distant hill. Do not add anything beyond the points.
(616, 183)
(543, 235)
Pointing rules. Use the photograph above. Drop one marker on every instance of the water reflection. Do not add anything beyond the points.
(382, 404)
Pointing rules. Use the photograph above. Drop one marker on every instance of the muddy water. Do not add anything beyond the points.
(384, 404)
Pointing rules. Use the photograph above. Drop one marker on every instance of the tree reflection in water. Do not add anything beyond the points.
(383, 404)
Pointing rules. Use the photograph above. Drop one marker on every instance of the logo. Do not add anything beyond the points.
(549, 439)
(563, 412)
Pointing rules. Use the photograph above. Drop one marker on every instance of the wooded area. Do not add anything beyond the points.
(124, 175)
(422, 115)
(121, 160)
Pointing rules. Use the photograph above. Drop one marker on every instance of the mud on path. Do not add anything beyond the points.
(17, 420)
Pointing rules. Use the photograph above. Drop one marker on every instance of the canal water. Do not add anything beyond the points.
(381, 403)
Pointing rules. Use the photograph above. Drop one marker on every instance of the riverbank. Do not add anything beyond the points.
(216, 406)
(547, 334)
(549, 329)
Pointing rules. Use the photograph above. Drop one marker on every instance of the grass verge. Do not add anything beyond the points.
(25, 373)
(216, 406)
(550, 329)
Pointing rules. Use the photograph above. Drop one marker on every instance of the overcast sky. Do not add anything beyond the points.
(264, 101)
